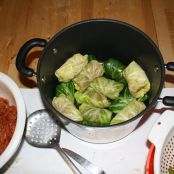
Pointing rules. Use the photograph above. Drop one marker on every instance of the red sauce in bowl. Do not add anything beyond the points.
(8, 116)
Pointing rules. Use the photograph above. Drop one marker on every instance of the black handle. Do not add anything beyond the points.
(168, 101)
(22, 54)
(170, 66)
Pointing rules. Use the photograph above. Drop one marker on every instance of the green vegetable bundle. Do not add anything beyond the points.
(100, 94)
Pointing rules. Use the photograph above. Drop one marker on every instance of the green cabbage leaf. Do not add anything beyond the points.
(91, 71)
(138, 83)
(71, 67)
(92, 97)
(66, 108)
(109, 88)
(95, 116)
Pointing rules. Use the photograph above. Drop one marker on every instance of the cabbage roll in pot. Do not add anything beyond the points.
(109, 88)
(92, 97)
(132, 109)
(71, 67)
(95, 116)
(91, 71)
(138, 83)
(66, 108)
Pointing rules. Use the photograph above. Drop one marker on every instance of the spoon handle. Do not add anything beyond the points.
(67, 160)
(92, 168)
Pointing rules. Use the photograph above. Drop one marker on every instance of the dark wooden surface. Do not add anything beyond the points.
(21, 20)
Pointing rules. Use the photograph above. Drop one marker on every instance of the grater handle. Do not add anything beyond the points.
(161, 128)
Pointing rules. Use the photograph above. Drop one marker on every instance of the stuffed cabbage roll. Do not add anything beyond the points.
(71, 67)
(92, 97)
(138, 82)
(66, 108)
(95, 116)
(109, 88)
(132, 109)
(92, 70)
(114, 70)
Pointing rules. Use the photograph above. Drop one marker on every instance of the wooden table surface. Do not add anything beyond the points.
(21, 20)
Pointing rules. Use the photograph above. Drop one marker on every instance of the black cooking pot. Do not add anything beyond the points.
(103, 38)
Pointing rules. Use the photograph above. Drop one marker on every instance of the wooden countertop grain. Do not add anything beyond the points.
(21, 20)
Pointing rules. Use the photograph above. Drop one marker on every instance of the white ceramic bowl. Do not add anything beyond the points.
(10, 91)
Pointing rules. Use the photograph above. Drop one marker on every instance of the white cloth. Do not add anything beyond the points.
(127, 156)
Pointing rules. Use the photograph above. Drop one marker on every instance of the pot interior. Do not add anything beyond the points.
(105, 39)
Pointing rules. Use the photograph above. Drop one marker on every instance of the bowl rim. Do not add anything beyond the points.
(20, 123)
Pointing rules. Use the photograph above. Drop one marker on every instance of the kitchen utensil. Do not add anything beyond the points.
(161, 153)
(43, 131)
(104, 38)
(84, 162)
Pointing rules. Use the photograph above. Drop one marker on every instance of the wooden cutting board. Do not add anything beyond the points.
(21, 20)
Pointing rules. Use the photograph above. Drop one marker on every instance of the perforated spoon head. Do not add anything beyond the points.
(42, 129)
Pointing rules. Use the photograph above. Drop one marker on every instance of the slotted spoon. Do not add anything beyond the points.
(43, 131)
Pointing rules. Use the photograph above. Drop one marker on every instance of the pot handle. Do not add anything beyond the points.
(22, 54)
(168, 100)
(170, 66)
